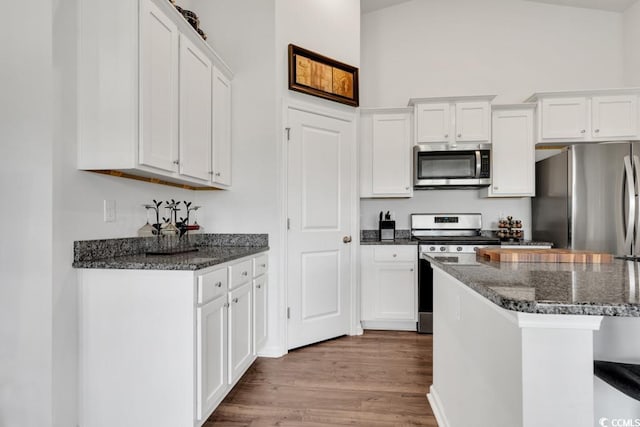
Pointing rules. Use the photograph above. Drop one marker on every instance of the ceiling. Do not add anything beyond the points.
(367, 6)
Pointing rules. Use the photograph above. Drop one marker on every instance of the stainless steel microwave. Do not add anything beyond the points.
(463, 166)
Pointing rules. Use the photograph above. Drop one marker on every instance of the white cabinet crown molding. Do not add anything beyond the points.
(451, 99)
(577, 93)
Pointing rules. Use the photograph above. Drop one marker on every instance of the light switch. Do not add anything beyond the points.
(109, 211)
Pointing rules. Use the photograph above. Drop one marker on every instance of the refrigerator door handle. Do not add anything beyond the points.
(629, 224)
(636, 166)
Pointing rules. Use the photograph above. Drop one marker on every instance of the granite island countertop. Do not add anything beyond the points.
(129, 253)
(554, 288)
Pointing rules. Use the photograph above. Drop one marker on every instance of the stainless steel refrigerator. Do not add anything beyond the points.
(587, 198)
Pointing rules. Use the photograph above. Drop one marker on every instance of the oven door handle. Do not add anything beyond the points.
(478, 164)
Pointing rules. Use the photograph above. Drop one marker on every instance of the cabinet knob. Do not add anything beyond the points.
(495, 187)
(446, 135)
(217, 173)
(597, 130)
(263, 265)
(210, 172)
(235, 300)
(395, 255)
(411, 269)
(219, 285)
(244, 273)
(346, 239)
(583, 131)
(459, 135)
(226, 305)
(258, 286)
(406, 188)
(176, 162)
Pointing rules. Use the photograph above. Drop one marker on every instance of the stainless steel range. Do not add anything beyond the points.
(450, 238)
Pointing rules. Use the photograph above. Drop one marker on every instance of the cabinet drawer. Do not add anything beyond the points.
(212, 285)
(240, 273)
(260, 265)
(395, 253)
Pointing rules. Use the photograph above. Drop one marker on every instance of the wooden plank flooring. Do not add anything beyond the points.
(375, 380)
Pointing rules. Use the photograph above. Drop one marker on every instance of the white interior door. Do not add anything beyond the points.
(319, 182)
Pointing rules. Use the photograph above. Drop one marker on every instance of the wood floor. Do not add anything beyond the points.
(378, 379)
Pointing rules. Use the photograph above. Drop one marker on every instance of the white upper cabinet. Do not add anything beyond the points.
(464, 119)
(433, 122)
(587, 116)
(615, 116)
(512, 151)
(158, 89)
(195, 111)
(472, 121)
(147, 84)
(385, 153)
(221, 161)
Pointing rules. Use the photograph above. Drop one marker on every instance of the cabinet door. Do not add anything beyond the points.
(513, 153)
(240, 338)
(259, 312)
(472, 122)
(391, 155)
(195, 111)
(564, 118)
(615, 116)
(221, 128)
(211, 364)
(394, 291)
(433, 122)
(158, 89)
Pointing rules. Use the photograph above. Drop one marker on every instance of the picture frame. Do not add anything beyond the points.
(318, 75)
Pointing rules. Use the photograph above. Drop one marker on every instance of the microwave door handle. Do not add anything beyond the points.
(478, 163)
(629, 225)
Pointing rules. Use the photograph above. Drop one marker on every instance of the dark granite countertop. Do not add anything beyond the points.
(554, 288)
(129, 253)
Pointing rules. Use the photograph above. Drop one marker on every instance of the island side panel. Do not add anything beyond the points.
(477, 371)
(136, 348)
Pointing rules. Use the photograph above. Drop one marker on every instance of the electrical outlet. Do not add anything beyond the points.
(109, 211)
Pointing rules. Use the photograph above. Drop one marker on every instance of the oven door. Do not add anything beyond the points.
(451, 168)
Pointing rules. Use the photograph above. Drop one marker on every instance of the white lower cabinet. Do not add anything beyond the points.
(389, 286)
(240, 328)
(211, 356)
(163, 348)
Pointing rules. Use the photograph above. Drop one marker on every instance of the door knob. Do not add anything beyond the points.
(346, 239)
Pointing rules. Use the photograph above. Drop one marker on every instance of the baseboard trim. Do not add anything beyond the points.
(436, 407)
(390, 325)
(271, 352)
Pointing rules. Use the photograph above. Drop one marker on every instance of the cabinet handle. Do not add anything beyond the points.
(583, 131)
(411, 269)
(258, 286)
(217, 173)
(446, 135)
(597, 130)
(226, 305)
(406, 188)
(495, 187)
(263, 265)
(244, 273)
(176, 162)
(219, 285)
(210, 172)
(459, 135)
(235, 300)
(395, 255)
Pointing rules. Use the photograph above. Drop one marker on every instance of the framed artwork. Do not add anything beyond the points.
(317, 75)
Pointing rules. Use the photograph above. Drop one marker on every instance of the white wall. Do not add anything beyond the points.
(510, 48)
(26, 191)
(631, 45)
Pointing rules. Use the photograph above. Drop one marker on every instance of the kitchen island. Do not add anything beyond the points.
(514, 342)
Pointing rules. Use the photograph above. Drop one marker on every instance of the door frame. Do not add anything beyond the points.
(349, 115)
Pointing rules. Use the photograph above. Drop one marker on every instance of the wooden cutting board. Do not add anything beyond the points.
(545, 255)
